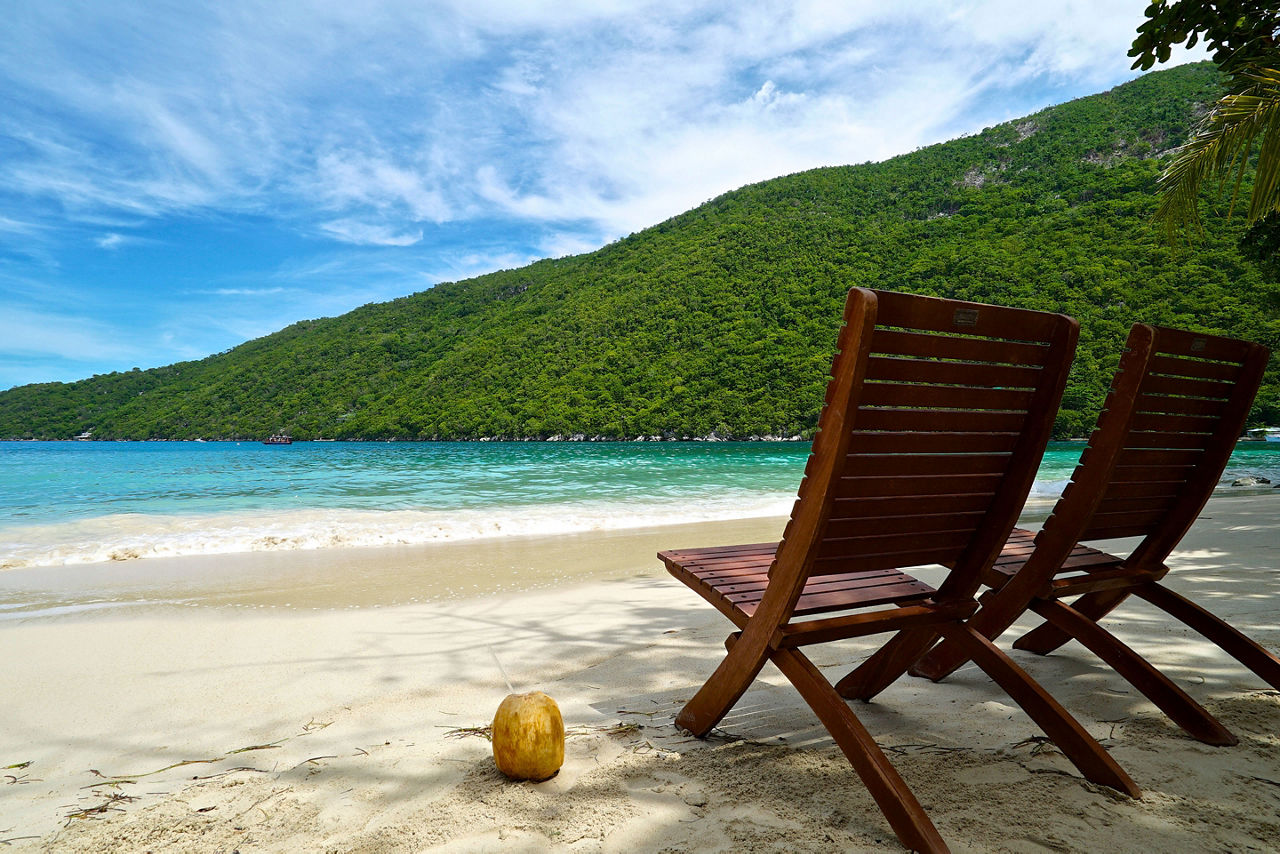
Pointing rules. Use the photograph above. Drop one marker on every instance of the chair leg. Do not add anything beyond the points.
(1082, 749)
(724, 688)
(884, 667)
(1236, 644)
(907, 818)
(1045, 638)
(1000, 608)
(1157, 687)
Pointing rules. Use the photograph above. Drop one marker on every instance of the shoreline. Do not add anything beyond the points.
(351, 577)
(200, 500)
(367, 577)
(342, 727)
(348, 577)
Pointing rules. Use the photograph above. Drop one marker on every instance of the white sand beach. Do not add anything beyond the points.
(323, 701)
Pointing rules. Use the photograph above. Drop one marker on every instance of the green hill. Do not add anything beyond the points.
(723, 318)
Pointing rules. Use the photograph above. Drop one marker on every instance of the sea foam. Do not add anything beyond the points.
(135, 536)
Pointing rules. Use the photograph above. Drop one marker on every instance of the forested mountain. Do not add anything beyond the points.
(724, 318)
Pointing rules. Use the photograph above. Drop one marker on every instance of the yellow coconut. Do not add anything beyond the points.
(528, 737)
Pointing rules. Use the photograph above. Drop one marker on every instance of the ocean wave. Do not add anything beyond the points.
(137, 536)
(1047, 490)
(125, 537)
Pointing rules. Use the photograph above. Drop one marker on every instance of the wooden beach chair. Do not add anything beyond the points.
(1176, 407)
(937, 414)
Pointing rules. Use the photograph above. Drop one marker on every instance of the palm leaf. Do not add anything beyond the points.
(1222, 146)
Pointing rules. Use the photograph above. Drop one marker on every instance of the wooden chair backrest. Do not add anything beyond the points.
(936, 417)
(1176, 407)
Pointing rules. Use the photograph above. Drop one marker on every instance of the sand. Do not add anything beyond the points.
(328, 701)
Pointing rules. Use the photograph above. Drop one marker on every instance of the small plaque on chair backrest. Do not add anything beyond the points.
(965, 317)
(1198, 344)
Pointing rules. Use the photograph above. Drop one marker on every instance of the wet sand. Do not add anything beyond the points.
(364, 577)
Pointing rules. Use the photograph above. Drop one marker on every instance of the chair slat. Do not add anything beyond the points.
(1150, 403)
(900, 442)
(895, 465)
(725, 560)
(1186, 387)
(1094, 534)
(729, 569)
(1152, 489)
(1120, 505)
(919, 485)
(1155, 422)
(905, 591)
(1126, 519)
(740, 588)
(1142, 474)
(720, 551)
(1173, 366)
(872, 508)
(1114, 578)
(972, 374)
(957, 319)
(1082, 558)
(896, 343)
(1160, 457)
(944, 397)
(864, 525)
(854, 588)
(1195, 345)
(924, 556)
(939, 421)
(834, 547)
(857, 625)
(1137, 439)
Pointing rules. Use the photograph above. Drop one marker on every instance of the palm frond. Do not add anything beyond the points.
(1222, 146)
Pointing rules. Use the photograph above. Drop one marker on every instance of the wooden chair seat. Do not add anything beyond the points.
(936, 416)
(1084, 568)
(734, 579)
(1176, 407)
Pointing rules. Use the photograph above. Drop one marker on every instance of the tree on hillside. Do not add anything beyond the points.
(1244, 36)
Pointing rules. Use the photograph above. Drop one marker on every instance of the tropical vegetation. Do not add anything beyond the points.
(723, 319)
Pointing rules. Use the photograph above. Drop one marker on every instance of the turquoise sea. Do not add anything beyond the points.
(83, 502)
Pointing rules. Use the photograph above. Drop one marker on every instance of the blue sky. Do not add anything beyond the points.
(177, 177)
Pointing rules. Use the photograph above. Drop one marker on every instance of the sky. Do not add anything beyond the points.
(179, 177)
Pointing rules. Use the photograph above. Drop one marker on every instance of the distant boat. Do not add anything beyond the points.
(1269, 434)
(278, 439)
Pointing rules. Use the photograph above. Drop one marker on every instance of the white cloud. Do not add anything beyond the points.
(245, 292)
(678, 114)
(41, 333)
(455, 267)
(346, 179)
(559, 245)
(114, 240)
(467, 110)
(14, 226)
(365, 234)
